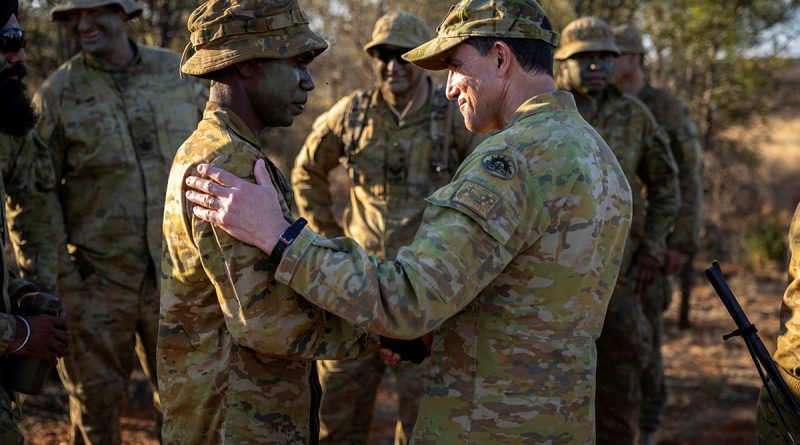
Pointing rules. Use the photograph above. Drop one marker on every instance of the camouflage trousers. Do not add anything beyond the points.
(348, 398)
(9, 431)
(108, 323)
(654, 389)
(623, 350)
(769, 427)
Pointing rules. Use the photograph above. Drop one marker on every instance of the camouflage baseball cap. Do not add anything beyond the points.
(517, 19)
(59, 12)
(628, 40)
(586, 34)
(227, 32)
(399, 29)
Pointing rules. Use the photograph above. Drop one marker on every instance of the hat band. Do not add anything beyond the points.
(249, 26)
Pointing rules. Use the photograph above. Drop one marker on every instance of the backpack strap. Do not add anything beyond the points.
(355, 121)
(441, 132)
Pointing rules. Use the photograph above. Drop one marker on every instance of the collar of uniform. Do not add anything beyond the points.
(101, 65)
(229, 118)
(422, 114)
(553, 101)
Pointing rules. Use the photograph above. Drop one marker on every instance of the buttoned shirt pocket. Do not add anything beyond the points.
(97, 140)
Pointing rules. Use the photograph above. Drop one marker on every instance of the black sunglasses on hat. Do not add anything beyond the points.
(12, 40)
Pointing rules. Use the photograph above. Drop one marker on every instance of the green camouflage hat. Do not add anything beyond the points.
(227, 32)
(518, 19)
(628, 40)
(59, 12)
(399, 29)
(586, 34)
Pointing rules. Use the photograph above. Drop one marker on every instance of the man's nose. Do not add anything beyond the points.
(306, 81)
(451, 91)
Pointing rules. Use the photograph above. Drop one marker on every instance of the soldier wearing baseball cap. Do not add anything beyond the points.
(236, 349)
(588, 52)
(499, 268)
(400, 141)
(674, 117)
(110, 118)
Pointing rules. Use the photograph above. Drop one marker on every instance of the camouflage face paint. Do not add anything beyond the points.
(279, 90)
(589, 73)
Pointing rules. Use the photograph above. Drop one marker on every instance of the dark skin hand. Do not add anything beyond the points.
(392, 358)
(673, 261)
(645, 269)
(48, 338)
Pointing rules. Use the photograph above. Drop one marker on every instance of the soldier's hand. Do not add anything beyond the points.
(250, 212)
(47, 339)
(645, 269)
(394, 351)
(673, 261)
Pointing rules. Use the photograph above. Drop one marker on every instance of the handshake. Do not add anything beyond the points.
(393, 351)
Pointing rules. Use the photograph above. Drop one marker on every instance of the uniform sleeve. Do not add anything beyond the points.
(260, 313)
(685, 145)
(471, 229)
(31, 206)
(788, 351)
(320, 154)
(659, 175)
(49, 141)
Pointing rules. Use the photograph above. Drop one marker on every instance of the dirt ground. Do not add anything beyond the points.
(712, 384)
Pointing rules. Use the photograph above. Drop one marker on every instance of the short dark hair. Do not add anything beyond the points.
(535, 56)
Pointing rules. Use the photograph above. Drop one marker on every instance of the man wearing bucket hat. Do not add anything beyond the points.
(514, 261)
(587, 52)
(399, 142)
(236, 349)
(673, 115)
(111, 118)
(40, 336)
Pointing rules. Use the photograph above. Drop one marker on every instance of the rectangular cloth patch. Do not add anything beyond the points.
(477, 198)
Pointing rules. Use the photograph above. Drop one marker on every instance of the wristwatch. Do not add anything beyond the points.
(287, 239)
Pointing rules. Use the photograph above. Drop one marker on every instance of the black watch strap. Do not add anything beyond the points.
(287, 239)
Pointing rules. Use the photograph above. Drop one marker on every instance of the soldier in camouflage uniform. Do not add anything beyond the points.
(675, 118)
(515, 259)
(236, 348)
(587, 53)
(41, 336)
(111, 118)
(771, 430)
(399, 142)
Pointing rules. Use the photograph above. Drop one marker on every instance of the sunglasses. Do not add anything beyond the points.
(12, 40)
(387, 55)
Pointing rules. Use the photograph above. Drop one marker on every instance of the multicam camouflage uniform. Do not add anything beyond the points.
(625, 346)
(771, 431)
(112, 134)
(236, 348)
(393, 164)
(512, 266)
(674, 117)
(30, 207)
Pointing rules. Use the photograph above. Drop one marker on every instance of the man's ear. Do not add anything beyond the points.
(504, 57)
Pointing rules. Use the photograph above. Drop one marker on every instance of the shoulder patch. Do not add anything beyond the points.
(476, 197)
(499, 165)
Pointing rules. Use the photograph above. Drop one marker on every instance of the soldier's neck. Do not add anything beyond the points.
(633, 83)
(404, 104)
(227, 96)
(119, 55)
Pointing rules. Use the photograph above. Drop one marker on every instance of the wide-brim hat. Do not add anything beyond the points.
(628, 40)
(399, 29)
(227, 32)
(59, 12)
(586, 34)
(516, 19)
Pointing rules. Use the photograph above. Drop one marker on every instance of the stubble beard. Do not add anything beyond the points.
(17, 115)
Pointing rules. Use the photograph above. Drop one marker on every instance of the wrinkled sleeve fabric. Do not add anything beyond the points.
(685, 144)
(320, 154)
(659, 175)
(471, 229)
(788, 351)
(260, 313)
(32, 209)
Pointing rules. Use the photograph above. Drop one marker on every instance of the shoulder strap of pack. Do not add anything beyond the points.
(441, 131)
(355, 120)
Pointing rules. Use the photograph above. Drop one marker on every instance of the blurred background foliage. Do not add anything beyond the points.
(727, 59)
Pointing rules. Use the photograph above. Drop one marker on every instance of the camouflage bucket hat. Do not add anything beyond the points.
(584, 35)
(399, 29)
(59, 12)
(628, 40)
(227, 32)
(517, 19)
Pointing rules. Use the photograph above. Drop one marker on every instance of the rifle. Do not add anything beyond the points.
(766, 367)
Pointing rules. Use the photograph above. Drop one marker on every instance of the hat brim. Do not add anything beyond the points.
(432, 55)
(208, 60)
(392, 41)
(567, 51)
(59, 13)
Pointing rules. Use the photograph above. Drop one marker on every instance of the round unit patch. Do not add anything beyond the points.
(499, 165)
